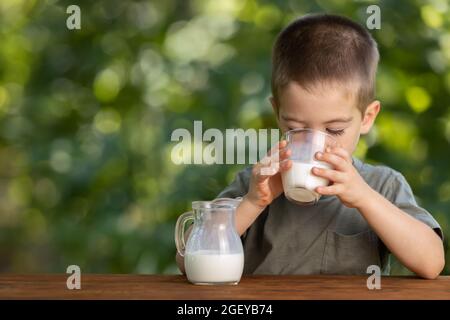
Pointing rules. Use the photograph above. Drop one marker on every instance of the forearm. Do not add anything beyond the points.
(246, 214)
(414, 243)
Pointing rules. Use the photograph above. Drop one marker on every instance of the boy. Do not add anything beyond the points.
(323, 77)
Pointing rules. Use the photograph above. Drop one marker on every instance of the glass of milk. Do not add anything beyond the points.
(299, 182)
(213, 253)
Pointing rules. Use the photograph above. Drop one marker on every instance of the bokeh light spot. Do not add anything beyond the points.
(418, 99)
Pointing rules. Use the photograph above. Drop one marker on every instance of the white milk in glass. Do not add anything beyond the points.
(299, 182)
(205, 266)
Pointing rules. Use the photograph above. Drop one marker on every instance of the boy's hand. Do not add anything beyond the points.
(265, 182)
(347, 183)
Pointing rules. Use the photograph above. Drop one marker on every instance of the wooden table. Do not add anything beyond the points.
(165, 287)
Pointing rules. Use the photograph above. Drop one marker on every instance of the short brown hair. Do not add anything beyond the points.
(325, 48)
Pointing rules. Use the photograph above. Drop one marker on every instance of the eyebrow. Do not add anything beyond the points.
(337, 120)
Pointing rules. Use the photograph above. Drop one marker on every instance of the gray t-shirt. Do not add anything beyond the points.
(328, 237)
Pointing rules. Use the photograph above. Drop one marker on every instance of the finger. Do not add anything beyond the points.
(257, 174)
(274, 153)
(337, 162)
(285, 154)
(271, 159)
(330, 190)
(280, 145)
(333, 175)
(265, 171)
(283, 144)
(268, 159)
(285, 165)
(342, 153)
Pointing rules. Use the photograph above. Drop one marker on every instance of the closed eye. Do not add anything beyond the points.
(335, 132)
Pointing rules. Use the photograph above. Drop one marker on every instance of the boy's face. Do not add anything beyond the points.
(326, 108)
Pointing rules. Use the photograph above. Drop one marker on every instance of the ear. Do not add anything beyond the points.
(369, 116)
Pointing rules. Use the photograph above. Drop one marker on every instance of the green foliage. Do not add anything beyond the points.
(86, 117)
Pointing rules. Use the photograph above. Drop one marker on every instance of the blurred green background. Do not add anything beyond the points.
(86, 117)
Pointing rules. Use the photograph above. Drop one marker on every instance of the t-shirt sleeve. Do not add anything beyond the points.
(238, 188)
(400, 194)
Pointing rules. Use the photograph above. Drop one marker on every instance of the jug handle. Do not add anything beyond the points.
(179, 231)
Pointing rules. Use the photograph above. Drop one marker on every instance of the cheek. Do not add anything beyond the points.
(349, 140)
(352, 142)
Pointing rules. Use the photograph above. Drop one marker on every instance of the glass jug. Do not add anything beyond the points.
(213, 253)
